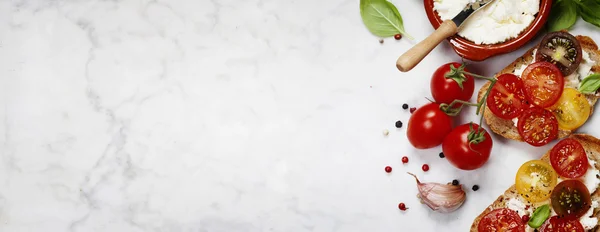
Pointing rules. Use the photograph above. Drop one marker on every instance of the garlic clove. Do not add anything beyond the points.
(443, 198)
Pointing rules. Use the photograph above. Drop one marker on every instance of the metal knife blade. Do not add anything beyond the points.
(469, 10)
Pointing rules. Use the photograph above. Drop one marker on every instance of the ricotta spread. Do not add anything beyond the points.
(515, 121)
(517, 205)
(588, 221)
(590, 179)
(496, 22)
(583, 71)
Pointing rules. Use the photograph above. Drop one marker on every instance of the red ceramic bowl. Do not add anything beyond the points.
(478, 52)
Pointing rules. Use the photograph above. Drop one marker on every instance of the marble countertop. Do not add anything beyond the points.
(222, 116)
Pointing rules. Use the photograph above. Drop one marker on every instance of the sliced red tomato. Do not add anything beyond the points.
(543, 83)
(507, 98)
(537, 126)
(556, 224)
(570, 199)
(568, 158)
(501, 220)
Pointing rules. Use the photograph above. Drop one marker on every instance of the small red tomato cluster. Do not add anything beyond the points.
(467, 146)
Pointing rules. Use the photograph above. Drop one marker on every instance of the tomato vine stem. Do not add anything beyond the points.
(475, 136)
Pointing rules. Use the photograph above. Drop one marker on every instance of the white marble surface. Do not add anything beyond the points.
(220, 116)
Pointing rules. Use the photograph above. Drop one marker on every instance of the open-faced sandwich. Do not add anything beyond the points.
(556, 193)
(547, 93)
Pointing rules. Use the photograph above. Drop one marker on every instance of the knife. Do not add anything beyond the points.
(449, 27)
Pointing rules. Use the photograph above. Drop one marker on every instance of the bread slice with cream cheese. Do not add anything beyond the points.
(512, 200)
(507, 128)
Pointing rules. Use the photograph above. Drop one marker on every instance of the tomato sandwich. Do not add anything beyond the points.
(547, 93)
(559, 192)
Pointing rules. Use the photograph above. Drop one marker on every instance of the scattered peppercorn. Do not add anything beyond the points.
(404, 159)
(525, 218)
(442, 155)
(402, 206)
(412, 110)
(398, 124)
(381, 41)
(397, 36)
(475, 187)
(454, 182)
(425, 167)
(388, 169)
(404, 106)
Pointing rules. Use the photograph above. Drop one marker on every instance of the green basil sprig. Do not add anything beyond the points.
(590, 84)
(539, 216)
(382, 18)
(590, 11)
(565, 13)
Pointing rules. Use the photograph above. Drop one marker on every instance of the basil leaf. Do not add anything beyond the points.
(382, 18)
(589, 11)
(590, 84)
(563, 15)
(539, 216)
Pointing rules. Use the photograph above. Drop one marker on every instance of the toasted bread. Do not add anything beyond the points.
(506, 128)
(592, 148)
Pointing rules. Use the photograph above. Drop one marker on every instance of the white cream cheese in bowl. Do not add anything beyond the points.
(497, 22)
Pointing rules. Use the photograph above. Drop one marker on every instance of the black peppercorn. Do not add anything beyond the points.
(398, 124)
(475, 187)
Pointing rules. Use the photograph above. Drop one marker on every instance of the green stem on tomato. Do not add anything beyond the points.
(485, 96)
(479, 76)
(450, 110)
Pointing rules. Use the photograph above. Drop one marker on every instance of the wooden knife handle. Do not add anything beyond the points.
(413, 56)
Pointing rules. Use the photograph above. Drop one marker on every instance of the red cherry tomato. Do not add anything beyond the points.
(570, 199)
(464, 154)
(501, 220)
(555, 224)
(537, 126)
(446, 90)
(507, 99)
(428, 126)
(543, 83)
(568, 158)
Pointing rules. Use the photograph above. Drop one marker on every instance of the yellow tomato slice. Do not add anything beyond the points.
(571, 110)
(535, 180)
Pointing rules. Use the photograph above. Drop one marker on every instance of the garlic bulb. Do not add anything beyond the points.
(443, 198)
